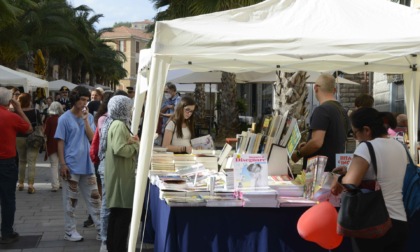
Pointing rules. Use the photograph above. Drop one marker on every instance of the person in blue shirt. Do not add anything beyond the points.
(172, 98)
(74, 132)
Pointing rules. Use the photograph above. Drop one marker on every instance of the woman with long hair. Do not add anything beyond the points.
(180, 127)
(370, 125)
(55, 110)
(27, 154)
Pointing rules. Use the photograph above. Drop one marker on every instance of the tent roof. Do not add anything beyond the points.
(316, 35)
(11, 77)
(57, 84)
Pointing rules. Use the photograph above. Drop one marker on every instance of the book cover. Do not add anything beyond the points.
(204, 142)
(224, 153)
(250, 171)
(285, 139)
(313, 176)
(294, 140)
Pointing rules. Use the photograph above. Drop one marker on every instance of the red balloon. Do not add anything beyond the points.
(319, 224)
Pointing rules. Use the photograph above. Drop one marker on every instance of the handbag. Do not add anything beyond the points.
(36, 139)
(363, 214)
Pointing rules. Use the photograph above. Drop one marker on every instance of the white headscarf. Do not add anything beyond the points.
(119, 108)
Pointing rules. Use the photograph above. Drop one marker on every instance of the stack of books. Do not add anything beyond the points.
(183, 160)
(163, 161)
(208, 161)
(258, 197)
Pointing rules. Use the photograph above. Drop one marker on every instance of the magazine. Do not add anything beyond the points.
(294, 140)
(204, 143)
(250, 171)
(313, 176)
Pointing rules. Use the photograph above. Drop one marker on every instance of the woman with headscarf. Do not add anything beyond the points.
(121, 149)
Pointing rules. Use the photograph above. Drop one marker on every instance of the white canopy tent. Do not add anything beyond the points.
(288, 35)
(10, 77)
(57, 84)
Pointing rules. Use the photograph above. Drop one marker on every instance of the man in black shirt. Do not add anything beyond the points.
(329, 125)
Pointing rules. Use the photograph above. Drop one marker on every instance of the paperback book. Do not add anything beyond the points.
(204, 142)
(250, 171)
(313, 176)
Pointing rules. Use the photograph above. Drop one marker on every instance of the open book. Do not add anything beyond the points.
(204, 143)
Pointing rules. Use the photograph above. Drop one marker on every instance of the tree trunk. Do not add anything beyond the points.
(291, 94)
(200, 99)
(228, 114)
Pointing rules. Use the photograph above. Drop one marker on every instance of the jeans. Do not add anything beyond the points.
(118, 228)
(8, 179)
(86, 185)
(27, 156)
(104, 209)
(55, 180)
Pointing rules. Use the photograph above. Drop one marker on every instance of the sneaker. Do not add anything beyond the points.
(88, 223)
(103, 248)
(98, 237)
(73, 236)
(10, 239)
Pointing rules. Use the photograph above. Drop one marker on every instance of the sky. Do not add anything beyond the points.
(118, 10)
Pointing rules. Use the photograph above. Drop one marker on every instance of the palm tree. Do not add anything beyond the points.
(60, 33)
(228, 113)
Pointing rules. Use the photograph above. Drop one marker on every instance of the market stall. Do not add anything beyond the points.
(325, 35)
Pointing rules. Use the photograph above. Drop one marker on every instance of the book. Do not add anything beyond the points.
(250, 171)
(188, 201)
(313, 176)
(285, 139)
(224, 153)
(294, 140)
(278, 161)
(204, 142)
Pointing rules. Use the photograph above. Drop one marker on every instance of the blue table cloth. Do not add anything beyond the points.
(201, 229)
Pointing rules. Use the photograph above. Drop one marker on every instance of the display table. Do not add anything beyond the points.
(227, 229)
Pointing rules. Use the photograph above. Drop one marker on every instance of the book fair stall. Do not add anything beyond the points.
(271, 42)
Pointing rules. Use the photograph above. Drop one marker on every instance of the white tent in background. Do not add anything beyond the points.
(287, 35)
(10, 77)
(102, 86)
(57, 84)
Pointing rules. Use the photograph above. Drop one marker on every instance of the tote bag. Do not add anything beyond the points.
(363, 214)
(36, 139)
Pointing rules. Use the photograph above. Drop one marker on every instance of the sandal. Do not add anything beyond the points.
(20, 187)
(31, 190)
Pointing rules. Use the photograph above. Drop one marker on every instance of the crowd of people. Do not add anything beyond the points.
(81, 128)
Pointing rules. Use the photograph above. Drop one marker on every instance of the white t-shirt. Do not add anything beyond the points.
(186, 135)
(391, 161)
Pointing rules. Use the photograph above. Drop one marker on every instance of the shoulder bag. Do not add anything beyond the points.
(363, 214)
(36, 139)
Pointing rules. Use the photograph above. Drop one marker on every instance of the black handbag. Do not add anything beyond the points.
(363, 214)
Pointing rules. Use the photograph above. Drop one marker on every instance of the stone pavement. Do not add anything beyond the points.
(42, 214)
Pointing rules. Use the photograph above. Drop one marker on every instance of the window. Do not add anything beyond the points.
(137, 47)
(398, 97)
(122, 46)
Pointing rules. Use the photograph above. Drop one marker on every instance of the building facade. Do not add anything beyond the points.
(129, 40)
